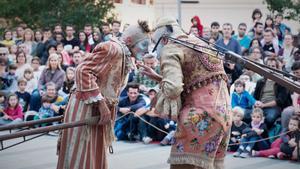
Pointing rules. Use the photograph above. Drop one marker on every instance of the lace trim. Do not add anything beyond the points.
(195, 160)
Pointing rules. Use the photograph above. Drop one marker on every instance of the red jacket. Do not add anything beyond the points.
(199, 25)
(14, 113)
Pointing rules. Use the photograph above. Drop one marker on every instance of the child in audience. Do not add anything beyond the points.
(12, 78)
(290, 147)
(240, 97)
(13, 112)
(257, 130)
(46, 110)
(286, 143)
(32, 82)
(2, 103)
(237, 127)
(68, 83)
(23, 96)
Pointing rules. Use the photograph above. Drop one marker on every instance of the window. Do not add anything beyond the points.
(139, 1)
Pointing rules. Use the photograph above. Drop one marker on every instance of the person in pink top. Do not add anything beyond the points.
(13, 113)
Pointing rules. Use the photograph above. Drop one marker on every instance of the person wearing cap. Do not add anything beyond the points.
(194, 93)
(98, 81)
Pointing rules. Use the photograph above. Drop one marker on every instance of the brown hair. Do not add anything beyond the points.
(22, 80)
(47, 99)
(239, 82)
(296, 118)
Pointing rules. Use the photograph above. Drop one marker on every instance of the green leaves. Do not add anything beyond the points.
(289, 8)
(42, 13)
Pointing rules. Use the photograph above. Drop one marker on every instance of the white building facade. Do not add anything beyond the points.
(232, 11)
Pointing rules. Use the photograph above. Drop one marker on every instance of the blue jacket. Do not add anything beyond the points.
(243, 100)
(134, 106)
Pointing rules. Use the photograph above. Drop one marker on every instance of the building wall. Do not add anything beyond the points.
(129, 12)
(232, 11)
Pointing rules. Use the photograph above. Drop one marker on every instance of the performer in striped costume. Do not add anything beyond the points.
(99, 80)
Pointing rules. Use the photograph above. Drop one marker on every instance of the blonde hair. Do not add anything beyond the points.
(259, 111)
(31, 32)
(238, 110)
(53, 56)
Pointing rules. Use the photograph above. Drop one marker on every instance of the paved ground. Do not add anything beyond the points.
(40, 154)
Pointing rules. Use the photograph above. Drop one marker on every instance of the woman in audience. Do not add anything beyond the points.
(83, 41)
(21, 61)
(256, 55)
(38, 36)
(52, 73)
(97, 39)
(28, 41)
(7, 39)
(269, 23)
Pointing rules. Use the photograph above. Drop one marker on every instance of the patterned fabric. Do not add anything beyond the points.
(145, 80)
(193, 90)
(104, 71)
(200, 139)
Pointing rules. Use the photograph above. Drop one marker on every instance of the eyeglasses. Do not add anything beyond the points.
(3, 54)
(242, 29)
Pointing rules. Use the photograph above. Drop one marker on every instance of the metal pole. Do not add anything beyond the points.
(179, 11)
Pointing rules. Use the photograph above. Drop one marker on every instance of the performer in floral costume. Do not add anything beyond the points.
(193, 91)
(99, 80)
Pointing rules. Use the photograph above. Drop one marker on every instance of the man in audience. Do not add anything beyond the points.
(269, 43)
(116, 28)
(77, 58)
(88, 30)
(145, 82)
(106, 34)
(258, 31)
(42, 47)
(130, 126)
(215, 31)
(242, 38)
(283, 28)
(58, 29)
(294, 109)
(270, 96)
(71, 43)
(232, 70)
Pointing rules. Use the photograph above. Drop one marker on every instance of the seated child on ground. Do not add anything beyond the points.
(237, 128)
(13, 112)
(287, 142)
(257, 130)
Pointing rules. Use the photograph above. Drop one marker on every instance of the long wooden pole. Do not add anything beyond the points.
(91, 121)
(30, 123)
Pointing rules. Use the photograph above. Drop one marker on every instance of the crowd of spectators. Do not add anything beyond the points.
(37, 70)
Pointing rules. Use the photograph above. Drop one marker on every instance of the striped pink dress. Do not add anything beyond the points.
(104, 71)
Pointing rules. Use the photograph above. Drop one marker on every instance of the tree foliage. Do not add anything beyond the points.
(43, 13)
(289, 8)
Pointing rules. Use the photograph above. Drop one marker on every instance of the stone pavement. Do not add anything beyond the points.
(40, 154)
